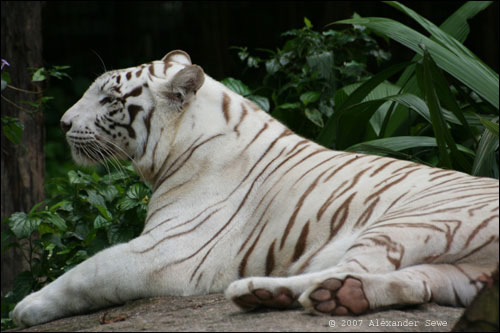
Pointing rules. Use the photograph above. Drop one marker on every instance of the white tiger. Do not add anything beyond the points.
(238, 195)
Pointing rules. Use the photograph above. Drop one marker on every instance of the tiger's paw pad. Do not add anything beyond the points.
(283, 298)
(337, 297)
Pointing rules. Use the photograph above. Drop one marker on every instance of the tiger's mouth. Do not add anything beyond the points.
(90, 150)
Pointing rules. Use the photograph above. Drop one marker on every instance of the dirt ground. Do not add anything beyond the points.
(215, 313)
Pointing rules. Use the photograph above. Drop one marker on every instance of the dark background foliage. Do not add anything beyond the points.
(92, 36)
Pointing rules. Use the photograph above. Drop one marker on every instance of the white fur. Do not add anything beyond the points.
(229, 181)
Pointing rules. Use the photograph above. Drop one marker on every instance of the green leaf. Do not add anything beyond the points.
(57, 221)
(98, 202)
(399, 143)
(315, 116)
(323, 64)
(485, 161)
(116, 234)
(62, 205)
(309, 97)
(237, 86)
(272, 66)
(109, 192)
(261, 101)
(437, 121)
(307, 23)
(8, 240)
(23, 284)
(432, 77)
(456, 25)
(286, 106)
(101, 222)
(13, 129)
(329, 134)
(137, 192)
(39, 75)
(491, 126)
(126, 203)
(78, 177)
(453, 58)
(23, 225)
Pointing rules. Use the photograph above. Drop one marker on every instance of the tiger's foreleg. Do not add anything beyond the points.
(112, 276)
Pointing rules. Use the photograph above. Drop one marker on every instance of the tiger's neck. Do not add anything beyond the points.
(209, 149)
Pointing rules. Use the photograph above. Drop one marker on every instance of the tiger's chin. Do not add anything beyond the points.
(83, 160)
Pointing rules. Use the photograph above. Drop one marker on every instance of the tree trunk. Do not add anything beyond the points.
(23, 165)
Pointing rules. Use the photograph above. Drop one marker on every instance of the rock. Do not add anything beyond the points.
(215, 313)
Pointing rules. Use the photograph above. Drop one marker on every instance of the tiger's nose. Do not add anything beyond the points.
(65, 126)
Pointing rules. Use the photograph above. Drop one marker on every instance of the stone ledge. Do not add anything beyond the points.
(215, 313)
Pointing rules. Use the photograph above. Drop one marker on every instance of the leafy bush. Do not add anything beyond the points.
(86, 214)
(441, 111)
(303, 76)
(445, 96)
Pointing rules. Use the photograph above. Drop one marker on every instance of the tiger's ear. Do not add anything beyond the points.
(184, 85)
(177, 56)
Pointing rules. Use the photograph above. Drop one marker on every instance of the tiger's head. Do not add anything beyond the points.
(116, 116)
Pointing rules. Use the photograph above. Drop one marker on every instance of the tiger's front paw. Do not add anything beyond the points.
(35, 309)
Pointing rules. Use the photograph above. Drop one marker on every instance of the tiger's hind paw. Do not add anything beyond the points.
(282, 298)
(336, 297)
(253, 293)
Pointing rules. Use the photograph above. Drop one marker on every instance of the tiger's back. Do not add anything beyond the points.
(240, 202)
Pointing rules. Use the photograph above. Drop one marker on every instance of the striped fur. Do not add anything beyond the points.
(243, 205)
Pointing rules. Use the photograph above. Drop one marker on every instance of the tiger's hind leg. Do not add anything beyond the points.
(357, 293)
(278, 292)
(333, 293)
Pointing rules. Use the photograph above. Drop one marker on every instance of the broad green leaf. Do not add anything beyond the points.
(437, 121)
(39, 75)
(101, 222)
(77, 177)
(323, 64)
(98, 202)
(465, 68)
(118, 235)
(354, 122)
(295, 105)
(432, 79)
(57, 221)
(126, 203)
(329, 133)
(13, 129)
(399, 143)
(109, 192)
(315, 116)
(237, 86)
(309, 97)
(62, 205)
(491, 126)
(308, 23)
(261, 101)
(485, 161)
(383, 90)
(23, 225)
(456, 25)
(137, 192)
